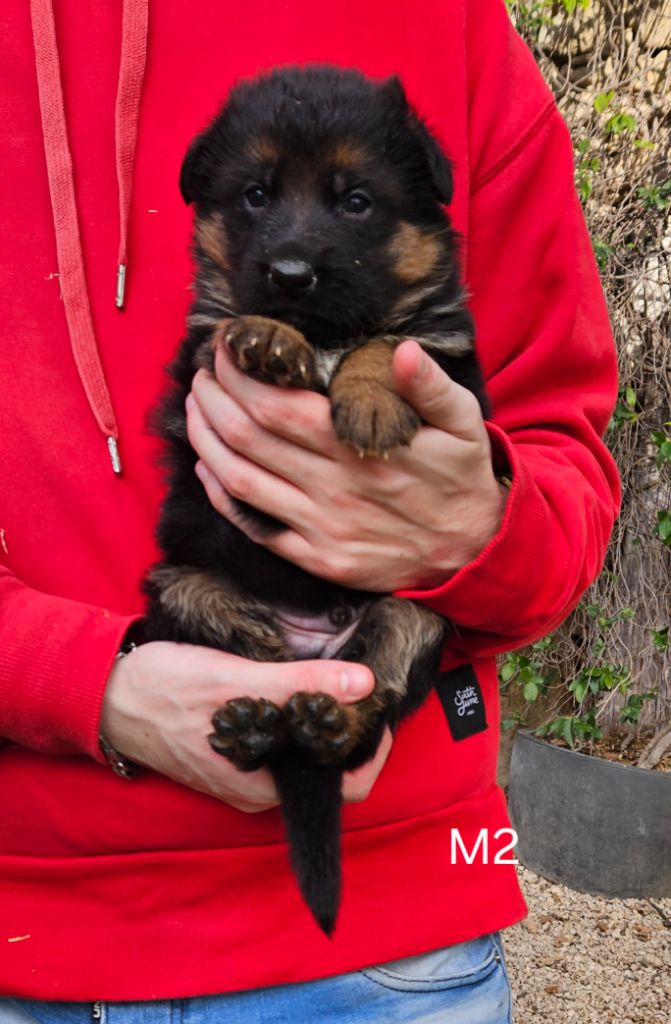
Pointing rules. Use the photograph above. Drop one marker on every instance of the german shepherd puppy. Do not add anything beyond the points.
(320, 243)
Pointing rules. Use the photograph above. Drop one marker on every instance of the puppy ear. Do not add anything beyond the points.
(392, 89)
(195, 172)
(439, 165)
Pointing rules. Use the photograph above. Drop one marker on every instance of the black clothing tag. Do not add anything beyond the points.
(460, 694)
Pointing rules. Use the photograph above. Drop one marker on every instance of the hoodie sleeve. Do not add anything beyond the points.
(55, 658)
(545, 343)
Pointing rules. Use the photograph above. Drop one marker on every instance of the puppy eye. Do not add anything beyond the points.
(257, 196)
(356, 203)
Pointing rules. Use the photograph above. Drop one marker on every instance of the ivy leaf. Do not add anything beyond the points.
(530, 691)
(579, 687)
(508, 670)
(664, 453)
(603, 100)
(663, 528)
(603, 252)
(662, 442)
(620, 122)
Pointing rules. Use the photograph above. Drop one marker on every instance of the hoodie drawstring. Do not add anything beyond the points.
(63, 197)
(126, 116)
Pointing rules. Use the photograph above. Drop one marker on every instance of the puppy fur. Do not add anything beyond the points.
(321, 241)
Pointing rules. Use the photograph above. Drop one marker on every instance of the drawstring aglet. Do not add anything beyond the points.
(113, 449)
(120, 285)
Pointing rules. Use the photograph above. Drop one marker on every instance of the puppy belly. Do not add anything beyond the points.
(315, 636)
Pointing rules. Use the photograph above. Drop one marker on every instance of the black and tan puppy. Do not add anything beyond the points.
(320, 243)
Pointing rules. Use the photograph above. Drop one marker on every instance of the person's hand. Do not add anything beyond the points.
(411, 521)
(160, 699)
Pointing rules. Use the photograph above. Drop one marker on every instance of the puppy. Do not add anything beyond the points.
(320, 243)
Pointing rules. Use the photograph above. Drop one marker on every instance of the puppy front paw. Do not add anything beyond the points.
(372, 418)
(271, 351)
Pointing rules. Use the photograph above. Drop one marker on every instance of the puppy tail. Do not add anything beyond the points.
(311, 796)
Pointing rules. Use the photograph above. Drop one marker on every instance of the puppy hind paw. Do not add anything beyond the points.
(323, 727)
(248, 731)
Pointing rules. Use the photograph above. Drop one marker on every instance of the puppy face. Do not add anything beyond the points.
(318, 197)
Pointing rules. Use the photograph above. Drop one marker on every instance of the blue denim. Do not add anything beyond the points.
(463, 984)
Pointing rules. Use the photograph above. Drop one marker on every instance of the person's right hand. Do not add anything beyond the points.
(160, 699)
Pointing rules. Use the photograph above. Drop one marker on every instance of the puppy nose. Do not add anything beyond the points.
(291, 273)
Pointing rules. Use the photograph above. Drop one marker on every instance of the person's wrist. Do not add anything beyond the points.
(118, 762)
(480, 526)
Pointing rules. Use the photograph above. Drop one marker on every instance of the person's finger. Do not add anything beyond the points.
(358, 784)
(346, 681)
(225, 505)
(334, 563)
(287, 543)
(241, 478)
(437, 398)
(243, 435)
(303, 417)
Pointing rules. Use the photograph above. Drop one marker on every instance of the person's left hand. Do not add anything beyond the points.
(370, 524)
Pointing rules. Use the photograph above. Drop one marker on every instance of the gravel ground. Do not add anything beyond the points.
(581, 959)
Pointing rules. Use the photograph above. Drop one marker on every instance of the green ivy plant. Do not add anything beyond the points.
(663, 528)
(586, 167)
(577, 724)
(625, 409)
(656, 196)
(613, 131)
(662, 442)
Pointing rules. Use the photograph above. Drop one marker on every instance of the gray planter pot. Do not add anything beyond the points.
(594, 825)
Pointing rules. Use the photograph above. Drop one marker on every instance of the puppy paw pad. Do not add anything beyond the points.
(247, 731)
(322, 726)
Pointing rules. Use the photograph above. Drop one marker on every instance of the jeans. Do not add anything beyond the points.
(463, 984)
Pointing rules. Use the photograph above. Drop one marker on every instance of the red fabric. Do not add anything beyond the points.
(145, 889)
(63, 200)
(131, 75)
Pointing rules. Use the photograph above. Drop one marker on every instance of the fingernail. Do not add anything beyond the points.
(353, 683)
(190, 402)
(201, 472)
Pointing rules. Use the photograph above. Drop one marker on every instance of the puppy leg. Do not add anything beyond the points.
(193, 606)
(367, 411)
(401, 642)
(269, 350)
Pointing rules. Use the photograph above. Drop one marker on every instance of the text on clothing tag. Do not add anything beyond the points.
(460, 694)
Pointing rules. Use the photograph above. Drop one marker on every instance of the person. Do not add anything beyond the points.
(118, 897)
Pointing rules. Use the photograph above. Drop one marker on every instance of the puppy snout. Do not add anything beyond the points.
(292, 273)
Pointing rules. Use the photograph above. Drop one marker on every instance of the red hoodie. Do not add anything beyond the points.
(137, 890)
